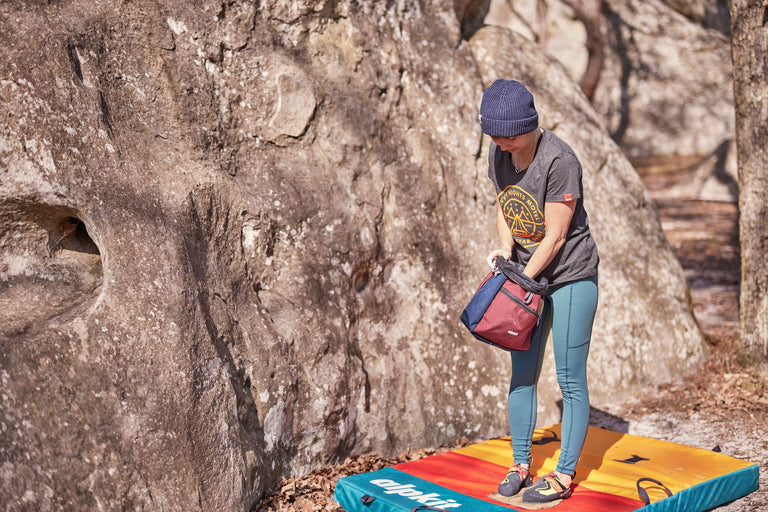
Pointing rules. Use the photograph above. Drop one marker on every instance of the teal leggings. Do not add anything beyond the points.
(569, 312)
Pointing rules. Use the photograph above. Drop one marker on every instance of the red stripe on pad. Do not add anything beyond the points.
(478, 478)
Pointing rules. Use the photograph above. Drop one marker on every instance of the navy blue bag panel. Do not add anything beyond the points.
(476, 308)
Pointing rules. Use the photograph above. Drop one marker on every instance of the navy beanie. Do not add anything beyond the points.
(507, 109)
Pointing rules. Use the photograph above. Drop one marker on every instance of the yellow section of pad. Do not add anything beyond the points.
(677, 466)
(499, 451)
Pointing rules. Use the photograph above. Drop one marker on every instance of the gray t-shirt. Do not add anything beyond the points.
(553, 176)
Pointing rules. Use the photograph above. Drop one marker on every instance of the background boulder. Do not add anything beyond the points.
(236, 240)
(665, 87)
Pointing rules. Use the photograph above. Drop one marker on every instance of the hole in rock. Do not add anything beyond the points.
(360, 279)
(49, 265)
(73, 236)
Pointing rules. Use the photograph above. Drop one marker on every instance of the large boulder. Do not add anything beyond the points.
(237, 237)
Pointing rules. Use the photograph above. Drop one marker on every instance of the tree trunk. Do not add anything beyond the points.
(590, 13)
(749, 28)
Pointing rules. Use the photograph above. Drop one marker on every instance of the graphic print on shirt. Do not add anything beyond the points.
(523, 216)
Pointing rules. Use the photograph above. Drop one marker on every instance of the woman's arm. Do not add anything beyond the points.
(558, 218)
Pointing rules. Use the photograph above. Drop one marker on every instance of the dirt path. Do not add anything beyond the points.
(722, 405)
(705, 238)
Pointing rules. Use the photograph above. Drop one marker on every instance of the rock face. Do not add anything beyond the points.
(237, 237)
(665, 86)
(666, 89)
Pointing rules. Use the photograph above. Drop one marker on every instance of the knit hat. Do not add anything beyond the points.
(507, 109)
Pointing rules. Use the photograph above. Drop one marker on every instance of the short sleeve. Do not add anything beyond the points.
(564, 179)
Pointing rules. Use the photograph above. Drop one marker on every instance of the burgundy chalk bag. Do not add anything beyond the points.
(506, 308)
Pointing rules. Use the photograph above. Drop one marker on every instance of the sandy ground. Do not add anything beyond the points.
(723, 405)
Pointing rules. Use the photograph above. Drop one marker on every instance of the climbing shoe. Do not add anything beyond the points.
(517, 478)
(545, 489)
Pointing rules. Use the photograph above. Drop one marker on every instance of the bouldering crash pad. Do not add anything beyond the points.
(617, 472)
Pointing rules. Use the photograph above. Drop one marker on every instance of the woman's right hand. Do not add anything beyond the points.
(506, 253)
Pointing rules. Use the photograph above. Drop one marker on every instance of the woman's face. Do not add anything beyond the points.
(514, 144)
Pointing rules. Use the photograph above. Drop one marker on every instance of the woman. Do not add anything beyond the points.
(542, 222)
